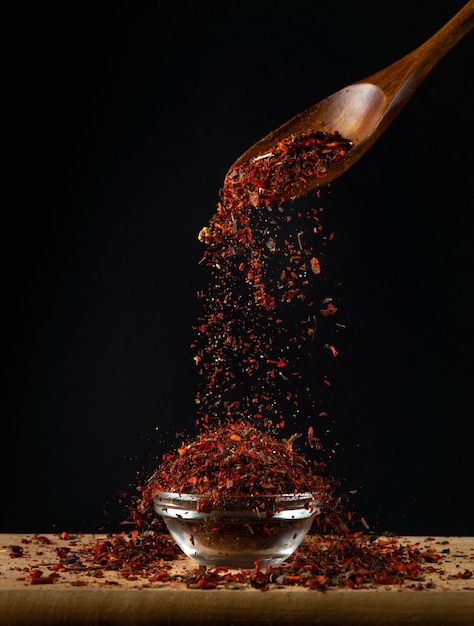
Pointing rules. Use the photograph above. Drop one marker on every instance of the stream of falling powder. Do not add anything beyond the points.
(262, 344)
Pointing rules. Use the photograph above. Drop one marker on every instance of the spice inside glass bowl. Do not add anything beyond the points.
(236, 495)
(239, 531)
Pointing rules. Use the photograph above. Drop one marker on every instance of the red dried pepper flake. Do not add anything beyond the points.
(291, 580)
(42, 539)
(43, 580)
(160, 577)
(62, 552)
(182, 450)
(430, 556)
(57, 567)
(319, 582)
(329, 309)
(37, 576)
(203, 581)
(16, 552)
(259, 581)
(465, 575)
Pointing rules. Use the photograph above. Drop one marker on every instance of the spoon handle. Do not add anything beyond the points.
(400, 80)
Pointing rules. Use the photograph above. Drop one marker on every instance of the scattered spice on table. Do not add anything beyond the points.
(350, 560)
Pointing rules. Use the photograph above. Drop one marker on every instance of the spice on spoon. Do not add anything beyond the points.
(294, 159)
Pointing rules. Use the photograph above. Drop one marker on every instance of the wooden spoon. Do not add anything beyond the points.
(363, 110)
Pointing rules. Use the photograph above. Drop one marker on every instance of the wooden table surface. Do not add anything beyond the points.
(77, 596)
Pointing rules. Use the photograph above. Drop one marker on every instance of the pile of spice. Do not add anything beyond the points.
(236, 460)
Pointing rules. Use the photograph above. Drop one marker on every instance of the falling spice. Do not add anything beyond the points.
(264, 303)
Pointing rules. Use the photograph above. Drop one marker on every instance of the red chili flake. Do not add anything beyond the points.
(431, 556)
(279, 363)
(329, 309)
(332, 349)
(319, 582)
(42, 539)
(315, 267)
(161, 577)
(38, 578)
(465, 575)
(291, 580)
(42, 580)
(16, 552)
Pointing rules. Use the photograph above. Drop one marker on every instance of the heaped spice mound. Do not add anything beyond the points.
(237, 460)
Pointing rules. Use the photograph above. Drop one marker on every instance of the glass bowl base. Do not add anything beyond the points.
(237, 544)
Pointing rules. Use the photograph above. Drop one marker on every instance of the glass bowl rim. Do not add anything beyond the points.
(282, 506)
(194, 497)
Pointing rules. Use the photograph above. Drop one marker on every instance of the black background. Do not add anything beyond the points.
(124, 122)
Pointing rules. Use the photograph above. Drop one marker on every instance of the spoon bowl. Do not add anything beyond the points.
(361, 112)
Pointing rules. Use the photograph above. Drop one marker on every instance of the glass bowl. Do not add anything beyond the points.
(239, 530)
